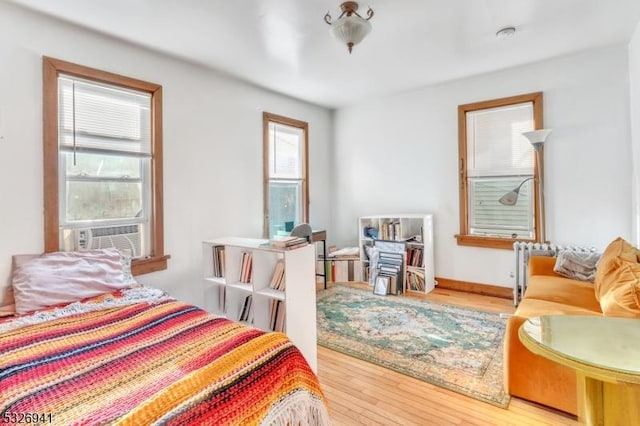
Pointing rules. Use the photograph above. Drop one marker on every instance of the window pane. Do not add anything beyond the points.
(285, 148)
(284, 205)
(488, 217)
(495, 145)
(106, 166)
(103, 187)
(87, 200)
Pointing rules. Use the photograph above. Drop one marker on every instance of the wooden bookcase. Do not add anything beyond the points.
(416, 231)
(225, 293)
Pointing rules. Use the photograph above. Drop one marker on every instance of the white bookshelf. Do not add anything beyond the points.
(416, 230)
(225, 295)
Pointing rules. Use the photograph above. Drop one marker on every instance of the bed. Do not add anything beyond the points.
(130, 354)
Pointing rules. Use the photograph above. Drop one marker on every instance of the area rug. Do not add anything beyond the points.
(452, 347)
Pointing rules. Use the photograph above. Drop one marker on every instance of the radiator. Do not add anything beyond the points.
(523, 251)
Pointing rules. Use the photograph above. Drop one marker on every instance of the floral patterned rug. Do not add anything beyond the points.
(452, 347)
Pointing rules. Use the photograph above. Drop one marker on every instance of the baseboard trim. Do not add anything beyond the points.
(475, 288)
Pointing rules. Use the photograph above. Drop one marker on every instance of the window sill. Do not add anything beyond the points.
(488, 242)
(152, 264)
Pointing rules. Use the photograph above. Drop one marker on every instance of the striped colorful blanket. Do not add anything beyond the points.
(154, 363)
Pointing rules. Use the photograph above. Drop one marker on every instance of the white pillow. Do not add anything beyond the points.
(125, 259)
(578, 265)
(65, 277)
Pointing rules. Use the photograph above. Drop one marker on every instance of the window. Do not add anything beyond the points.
(286, 178)
(103, 163)
(494, 159)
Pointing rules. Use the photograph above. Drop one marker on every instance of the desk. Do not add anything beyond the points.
(320, 236)
(604, 352)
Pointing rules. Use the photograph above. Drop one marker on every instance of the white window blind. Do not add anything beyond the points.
(495, 145)
(97, 117)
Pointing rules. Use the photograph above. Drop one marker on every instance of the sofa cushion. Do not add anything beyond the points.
(565, 291)
(542, 265)
(617, 252)
(624, 299)
(530, 308)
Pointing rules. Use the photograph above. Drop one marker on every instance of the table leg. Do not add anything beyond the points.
(607, 404)
(590, 400)
(324, 262)
(621, 404)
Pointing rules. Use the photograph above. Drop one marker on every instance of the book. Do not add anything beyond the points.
(246, 267)
(218, 261)
(288, 242)
(297, 245)
(277, 278)
(222, 298)
(245, 314)
(277, 316)
(273, 312)
(280, 326)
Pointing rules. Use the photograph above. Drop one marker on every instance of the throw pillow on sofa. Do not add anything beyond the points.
(624, 299)
(617, 252)
(578, 265)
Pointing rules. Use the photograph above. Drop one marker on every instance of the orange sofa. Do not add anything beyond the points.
(614, 292)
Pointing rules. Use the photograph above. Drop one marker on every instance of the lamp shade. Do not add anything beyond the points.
(351, 30)
(537, 137)
(511, 197)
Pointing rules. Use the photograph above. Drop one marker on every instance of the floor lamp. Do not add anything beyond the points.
(537, 139)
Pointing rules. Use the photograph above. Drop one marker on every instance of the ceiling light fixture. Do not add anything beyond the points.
(506, 32)
(350, 28)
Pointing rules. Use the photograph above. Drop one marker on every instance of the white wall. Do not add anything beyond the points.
(212, 144)
(400, 154)
(634, 83)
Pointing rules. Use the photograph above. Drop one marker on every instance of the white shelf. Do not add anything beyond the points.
(241, 286)
(272, 293)
(400, 228)
(216, 280)
(226, 296)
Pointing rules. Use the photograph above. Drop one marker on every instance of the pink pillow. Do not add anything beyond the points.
(64, 277)
(7, 310)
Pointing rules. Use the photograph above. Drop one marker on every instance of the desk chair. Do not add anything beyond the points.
(304, 230)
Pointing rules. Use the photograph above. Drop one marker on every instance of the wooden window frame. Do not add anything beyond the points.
(51, 69)
(268, 117)
(464, 238)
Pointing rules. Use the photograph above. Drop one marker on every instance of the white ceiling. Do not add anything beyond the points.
(285, 46)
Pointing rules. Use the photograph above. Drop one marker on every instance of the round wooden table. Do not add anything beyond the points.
(604, 352)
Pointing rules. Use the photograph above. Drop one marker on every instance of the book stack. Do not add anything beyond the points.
(277, 279)
(390, 231)
(276, 321)
(245, 314)
(343, 265)
(415, 256)
(246, 267)
(415, 280)
(276, 318)
(218, 261)
(288, 242)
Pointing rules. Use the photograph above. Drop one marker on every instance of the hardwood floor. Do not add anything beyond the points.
(361, 393)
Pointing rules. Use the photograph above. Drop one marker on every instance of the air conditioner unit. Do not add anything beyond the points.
(125, 237)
